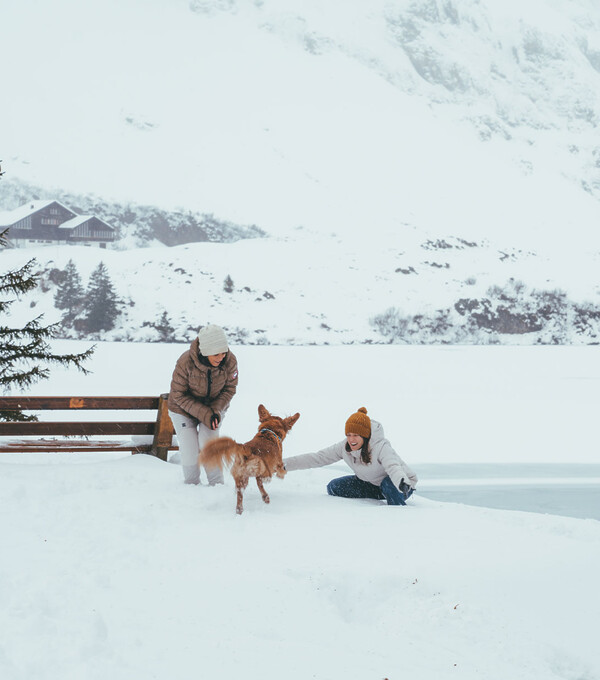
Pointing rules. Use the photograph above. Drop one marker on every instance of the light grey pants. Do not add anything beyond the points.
(191, 436)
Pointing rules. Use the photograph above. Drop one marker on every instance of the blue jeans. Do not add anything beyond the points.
(353, 487)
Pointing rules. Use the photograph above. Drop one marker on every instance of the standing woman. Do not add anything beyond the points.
(379, 472)
(204, 381)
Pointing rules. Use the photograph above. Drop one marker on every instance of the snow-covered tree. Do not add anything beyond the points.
(166, 332)
(102, 303)
(69, 293)
(228, 284)
(164, 328)
(25, 352)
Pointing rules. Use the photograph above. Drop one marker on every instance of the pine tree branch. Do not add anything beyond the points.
(23, 378)
(18, 281)
(17, 416)
(43, 355)
(5, 304)
(32, 329)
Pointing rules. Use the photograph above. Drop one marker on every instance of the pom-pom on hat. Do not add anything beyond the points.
(212, 340)
(359, 423)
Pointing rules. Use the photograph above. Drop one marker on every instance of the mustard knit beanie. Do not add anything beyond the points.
(359, 423)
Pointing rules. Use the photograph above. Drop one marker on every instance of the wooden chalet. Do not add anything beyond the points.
(40, 223)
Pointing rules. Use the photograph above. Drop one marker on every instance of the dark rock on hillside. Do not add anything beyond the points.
(501, 319)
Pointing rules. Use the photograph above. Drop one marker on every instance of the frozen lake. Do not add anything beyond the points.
(569, 490)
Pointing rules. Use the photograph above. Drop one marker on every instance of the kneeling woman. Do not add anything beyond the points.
(203, 384)
(379, 472)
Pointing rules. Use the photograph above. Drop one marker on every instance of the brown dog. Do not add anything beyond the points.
(261, 457)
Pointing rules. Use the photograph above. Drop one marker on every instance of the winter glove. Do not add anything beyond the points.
(215, 421)
(404, 487)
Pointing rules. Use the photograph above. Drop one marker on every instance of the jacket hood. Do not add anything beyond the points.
(376, 432)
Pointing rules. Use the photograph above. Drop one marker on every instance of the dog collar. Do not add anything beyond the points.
(265, 429)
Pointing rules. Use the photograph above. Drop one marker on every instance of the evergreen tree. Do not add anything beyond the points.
(25, 352)
(228, 284)
(164, 328)
(166, 332)
(101, 301)
(69, 293)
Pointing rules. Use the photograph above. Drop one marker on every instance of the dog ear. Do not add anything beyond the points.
(263, 414)
(290, 420)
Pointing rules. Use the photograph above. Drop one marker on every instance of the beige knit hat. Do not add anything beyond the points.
(359, 423)
(212, 340)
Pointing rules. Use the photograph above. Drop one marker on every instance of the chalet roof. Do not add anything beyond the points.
(80, 219)
(11, 216)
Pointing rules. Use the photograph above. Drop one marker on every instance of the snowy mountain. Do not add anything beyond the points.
(360, 136)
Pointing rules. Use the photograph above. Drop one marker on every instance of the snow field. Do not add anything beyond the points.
(116, 569)
(112, 567)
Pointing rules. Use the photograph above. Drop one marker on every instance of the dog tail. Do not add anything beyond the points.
(218, 450)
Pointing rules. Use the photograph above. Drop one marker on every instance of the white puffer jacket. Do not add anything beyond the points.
(384, 460)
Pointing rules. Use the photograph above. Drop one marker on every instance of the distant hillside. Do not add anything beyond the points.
(315, 289)
(475, 117)
(423, 170)
(137, 225)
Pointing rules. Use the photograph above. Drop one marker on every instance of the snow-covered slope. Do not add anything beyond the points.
(355, 133)
(287, 113)
(306, 289)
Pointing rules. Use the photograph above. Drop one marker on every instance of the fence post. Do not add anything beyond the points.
(163, 435)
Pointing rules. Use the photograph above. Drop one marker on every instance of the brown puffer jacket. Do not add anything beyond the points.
(199, 390)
